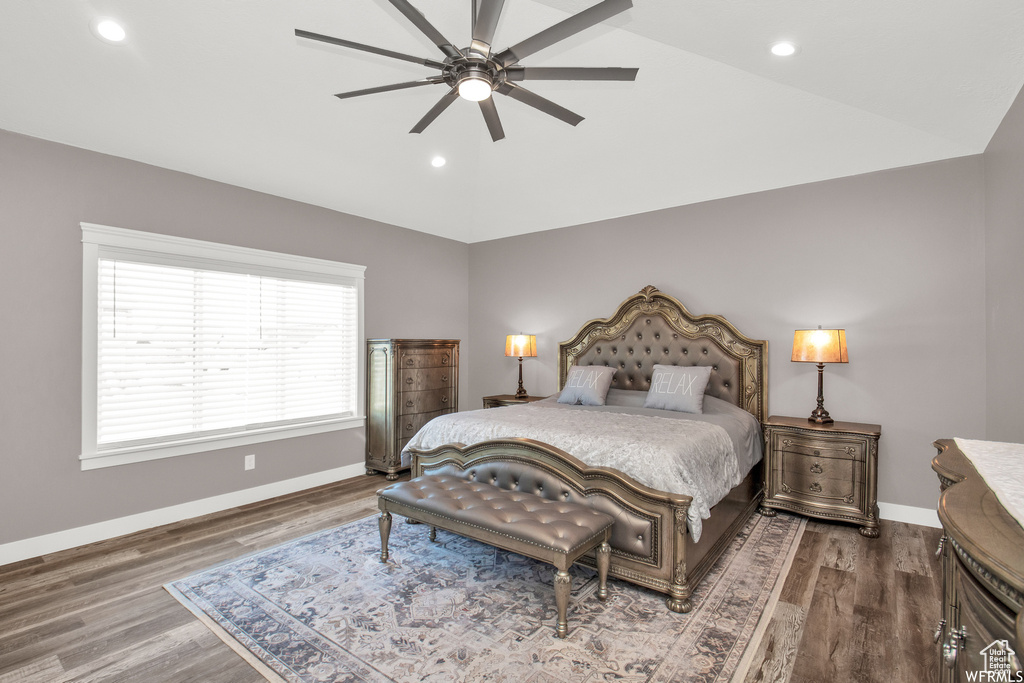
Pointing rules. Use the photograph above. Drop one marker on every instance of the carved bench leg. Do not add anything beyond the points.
(563, 586)
(384, 523)
(604, 554)
(433, 534)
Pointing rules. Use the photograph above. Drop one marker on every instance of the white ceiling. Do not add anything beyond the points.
(224, 90)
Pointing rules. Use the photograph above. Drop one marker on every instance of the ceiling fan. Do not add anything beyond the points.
(475, 72)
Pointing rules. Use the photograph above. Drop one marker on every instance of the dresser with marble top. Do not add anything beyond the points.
(982, 551)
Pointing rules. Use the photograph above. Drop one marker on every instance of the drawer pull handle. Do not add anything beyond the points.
(815, 487)
(939, 629)
(817, 452)
(444, 399)
(444, 361)
(816, 469)
(938, 551)
(410, 362)
(445, 378)
(408, 427)
(949, 650)
(408, 380)
(409, 404)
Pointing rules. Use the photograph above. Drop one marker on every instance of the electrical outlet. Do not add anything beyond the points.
(250, 462)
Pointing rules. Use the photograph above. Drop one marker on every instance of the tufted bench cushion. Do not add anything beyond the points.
(553, 531)
(521, 516)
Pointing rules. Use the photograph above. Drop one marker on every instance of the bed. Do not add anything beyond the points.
(673, 519)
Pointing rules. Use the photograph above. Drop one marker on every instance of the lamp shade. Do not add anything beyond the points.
(819, 346)
(522, 345)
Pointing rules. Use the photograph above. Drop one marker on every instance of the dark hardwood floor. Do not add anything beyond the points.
(856, 609)
(852, 609)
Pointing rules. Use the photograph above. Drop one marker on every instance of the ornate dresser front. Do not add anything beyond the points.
(408, 383)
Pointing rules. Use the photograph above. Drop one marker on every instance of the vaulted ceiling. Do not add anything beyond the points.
(224, 90)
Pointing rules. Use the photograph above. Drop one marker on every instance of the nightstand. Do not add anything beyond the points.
(508, 400)
(828, 471)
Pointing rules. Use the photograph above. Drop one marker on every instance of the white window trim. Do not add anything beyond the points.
(101, 240)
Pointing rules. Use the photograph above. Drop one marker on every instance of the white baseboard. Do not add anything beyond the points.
(909, 515)
(72, 538)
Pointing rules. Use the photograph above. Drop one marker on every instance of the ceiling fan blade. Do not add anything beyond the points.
(520, 93)
(484, 25)
(490, 113)
(368, 48)
(388, 88)
(420, 21)
(570, 73)
(563, 29)
(436, 110)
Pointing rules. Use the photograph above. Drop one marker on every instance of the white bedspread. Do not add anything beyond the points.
(675, 455)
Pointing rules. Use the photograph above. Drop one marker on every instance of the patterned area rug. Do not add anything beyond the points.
(323, 608)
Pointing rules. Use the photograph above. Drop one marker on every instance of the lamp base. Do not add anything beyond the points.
(820, 416)
(521, 392)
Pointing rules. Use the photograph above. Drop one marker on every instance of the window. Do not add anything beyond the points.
(191, 346)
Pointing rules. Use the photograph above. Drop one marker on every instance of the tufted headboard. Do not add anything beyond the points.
(653, 328)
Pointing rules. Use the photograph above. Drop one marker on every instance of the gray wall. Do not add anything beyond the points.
(46, 189)
(1004, 217)
(897, 258)
(918, 264)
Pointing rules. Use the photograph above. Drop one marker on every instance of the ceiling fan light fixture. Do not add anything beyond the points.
(473, 73)
(474, 88)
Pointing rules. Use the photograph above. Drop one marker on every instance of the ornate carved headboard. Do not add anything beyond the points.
(652, 327)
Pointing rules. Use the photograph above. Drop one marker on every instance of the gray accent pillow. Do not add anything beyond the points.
(587, 385)
(677, 387)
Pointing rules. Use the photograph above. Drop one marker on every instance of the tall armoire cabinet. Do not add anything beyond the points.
(408, 383)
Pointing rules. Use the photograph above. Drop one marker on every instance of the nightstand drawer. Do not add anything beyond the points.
(502, 400)
(809, 446)
(832, 479)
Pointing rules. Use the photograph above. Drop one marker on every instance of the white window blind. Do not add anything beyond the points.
(191, 349)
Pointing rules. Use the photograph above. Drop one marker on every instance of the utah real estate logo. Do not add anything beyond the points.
(1000, 664)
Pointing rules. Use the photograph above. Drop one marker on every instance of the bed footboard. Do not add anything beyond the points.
(650, 539)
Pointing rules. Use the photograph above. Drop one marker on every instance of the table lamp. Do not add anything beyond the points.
(524, 346)
(819, 346)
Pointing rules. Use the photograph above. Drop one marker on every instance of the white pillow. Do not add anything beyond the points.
(587, 385)
(679, 388)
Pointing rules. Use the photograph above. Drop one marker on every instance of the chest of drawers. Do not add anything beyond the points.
(408, 383)
(827, 471)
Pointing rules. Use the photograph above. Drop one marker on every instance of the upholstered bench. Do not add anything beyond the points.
(551, 531)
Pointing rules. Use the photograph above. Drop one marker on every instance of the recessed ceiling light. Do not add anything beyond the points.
(438, 162)
(783, 48)
(109, 30)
